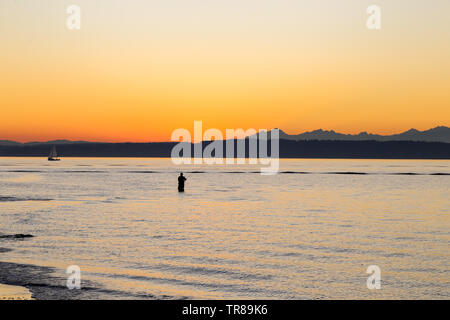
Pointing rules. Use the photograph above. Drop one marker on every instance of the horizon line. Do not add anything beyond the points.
(295, 134)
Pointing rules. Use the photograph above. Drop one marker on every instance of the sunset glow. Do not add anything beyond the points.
(137, 70)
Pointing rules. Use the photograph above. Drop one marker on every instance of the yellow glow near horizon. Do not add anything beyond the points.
(138, 69)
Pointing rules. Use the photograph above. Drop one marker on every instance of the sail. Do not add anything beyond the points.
(53, 153)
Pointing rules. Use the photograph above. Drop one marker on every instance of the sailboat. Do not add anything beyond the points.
(53, 156)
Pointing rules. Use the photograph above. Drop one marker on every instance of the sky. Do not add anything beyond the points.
(139, 69)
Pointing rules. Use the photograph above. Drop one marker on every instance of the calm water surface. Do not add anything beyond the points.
(309, 232)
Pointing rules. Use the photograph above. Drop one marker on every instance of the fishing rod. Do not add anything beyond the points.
(186, 175)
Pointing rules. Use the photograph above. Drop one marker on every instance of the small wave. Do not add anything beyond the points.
(346, 172)
(368, 173)
(335, 172)
(16, 236)
(25, 171)
(183, 269)
(143, 171)
(295, 172)
(406, 173)
(184, 282)
(89, 292)
(395, 255)
(82, 171)
(9, 199)
(233, 172)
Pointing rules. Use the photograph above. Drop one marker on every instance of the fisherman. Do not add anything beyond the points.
(181, 180)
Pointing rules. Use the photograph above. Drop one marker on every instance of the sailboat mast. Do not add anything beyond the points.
(53, 153)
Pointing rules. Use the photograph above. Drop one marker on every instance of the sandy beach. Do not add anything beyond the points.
(14, 293)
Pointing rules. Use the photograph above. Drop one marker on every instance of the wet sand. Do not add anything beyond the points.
(33, 279)
(32, 282)
(26, 281)
(14, 293)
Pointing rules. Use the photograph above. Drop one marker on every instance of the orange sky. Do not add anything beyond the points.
(136, 70)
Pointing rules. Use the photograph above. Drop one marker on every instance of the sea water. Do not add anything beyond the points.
(309, 232)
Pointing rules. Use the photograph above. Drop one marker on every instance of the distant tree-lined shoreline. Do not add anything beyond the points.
(368, 149)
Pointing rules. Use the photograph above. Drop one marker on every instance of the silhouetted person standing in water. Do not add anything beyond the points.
(181, 180)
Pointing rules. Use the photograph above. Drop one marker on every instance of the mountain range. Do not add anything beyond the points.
(438, 134)
(15, 143)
